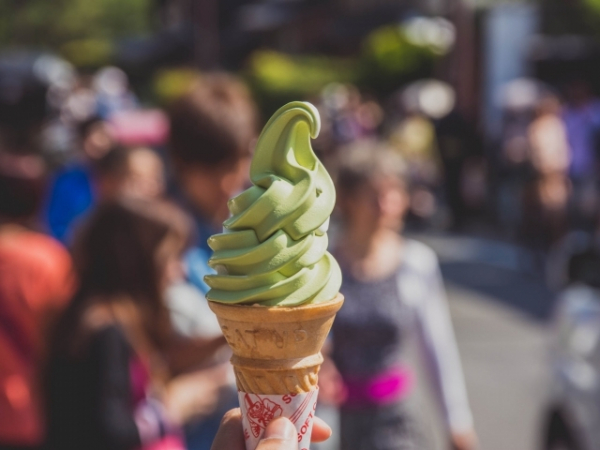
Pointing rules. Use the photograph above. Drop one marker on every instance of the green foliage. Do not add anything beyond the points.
(169, 84)
(88, 53)
(587, 19)
(299, 75)
(389, 59)
(593, 5)
(51, 24)
(277, 78)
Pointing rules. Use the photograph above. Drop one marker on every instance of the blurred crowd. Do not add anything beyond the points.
(548, 161)
(106, 339)
(109, 190)
(546, 177)
(421, 123)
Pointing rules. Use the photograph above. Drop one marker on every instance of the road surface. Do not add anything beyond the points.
(500, 314)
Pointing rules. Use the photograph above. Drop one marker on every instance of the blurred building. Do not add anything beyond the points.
(224, 33)
(227, 31)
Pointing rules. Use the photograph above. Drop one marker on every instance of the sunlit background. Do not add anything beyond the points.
(493, 105)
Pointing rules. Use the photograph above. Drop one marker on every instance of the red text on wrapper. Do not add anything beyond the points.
(287, 399)
(306, 425)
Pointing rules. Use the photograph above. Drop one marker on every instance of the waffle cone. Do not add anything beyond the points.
(276, 350)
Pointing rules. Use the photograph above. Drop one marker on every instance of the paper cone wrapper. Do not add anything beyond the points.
(259, 410)
(276, 360)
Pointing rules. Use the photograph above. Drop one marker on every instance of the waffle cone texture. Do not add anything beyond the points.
(276, 350)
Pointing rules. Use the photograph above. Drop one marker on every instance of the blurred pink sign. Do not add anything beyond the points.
(140, 127)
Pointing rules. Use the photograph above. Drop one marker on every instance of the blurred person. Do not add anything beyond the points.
(117, 170)
(112, 90)
(145, 174)
(134, 172)
(25, 80)
(113, 350)
(581, 116)
(393, 290)
(512, 169)
(460, 150)
(549, 147)
(347, 115)
(72, 192)
(280, 434)
(547, 193)
(78, 104)
(441, 151)
(213, 127)
(36, 281)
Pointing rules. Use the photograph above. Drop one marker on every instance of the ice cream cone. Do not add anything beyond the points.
(276, 350)
(274, 290)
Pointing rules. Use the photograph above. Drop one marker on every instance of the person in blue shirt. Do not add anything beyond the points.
(213, 128)
(72, 192)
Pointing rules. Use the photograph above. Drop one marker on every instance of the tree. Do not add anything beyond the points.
(50, 24)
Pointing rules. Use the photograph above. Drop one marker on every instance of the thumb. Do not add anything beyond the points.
(280, 434)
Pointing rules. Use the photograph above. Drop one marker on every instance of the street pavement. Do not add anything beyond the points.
(500, 310)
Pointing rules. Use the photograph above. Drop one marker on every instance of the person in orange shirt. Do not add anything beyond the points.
(36, 281)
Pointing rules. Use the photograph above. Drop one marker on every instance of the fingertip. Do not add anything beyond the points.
(232, 418)
(321, 431)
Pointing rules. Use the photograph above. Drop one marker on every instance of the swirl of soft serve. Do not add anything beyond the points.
(273, 250)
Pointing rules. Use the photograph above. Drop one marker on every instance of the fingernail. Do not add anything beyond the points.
(280, 428)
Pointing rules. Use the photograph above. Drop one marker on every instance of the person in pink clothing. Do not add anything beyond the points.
(393, 291)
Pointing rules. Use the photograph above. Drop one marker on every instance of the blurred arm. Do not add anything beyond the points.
(439, 345)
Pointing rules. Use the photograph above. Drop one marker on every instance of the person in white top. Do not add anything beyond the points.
(393, 289)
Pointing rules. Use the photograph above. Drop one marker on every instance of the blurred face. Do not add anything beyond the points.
(209, 188)
(142, 177)
(376, 205)
(145, 175)
(169, 262)
(97, 142)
